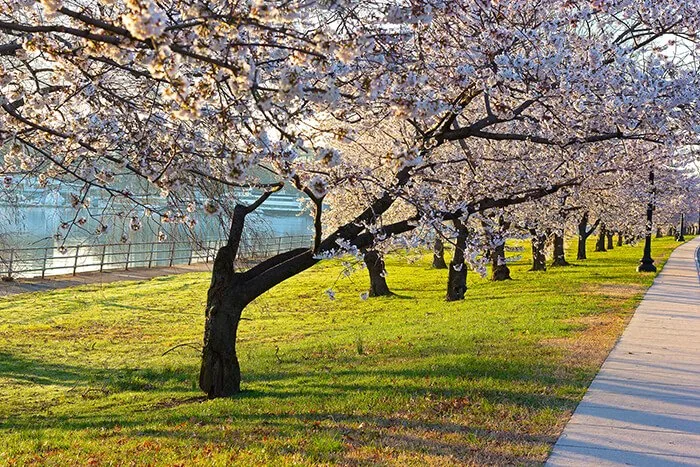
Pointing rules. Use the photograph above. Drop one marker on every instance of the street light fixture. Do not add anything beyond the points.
(647, 263)
(681, 232)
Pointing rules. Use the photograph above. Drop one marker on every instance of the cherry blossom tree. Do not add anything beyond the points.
(489, 104)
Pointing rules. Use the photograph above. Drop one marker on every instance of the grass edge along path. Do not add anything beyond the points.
(408, 379)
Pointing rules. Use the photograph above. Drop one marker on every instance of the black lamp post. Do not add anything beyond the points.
(647, 264)
(681, 232)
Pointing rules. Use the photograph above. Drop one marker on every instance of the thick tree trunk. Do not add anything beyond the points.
(457, 275)
(583, 234)
(611, 236)
(439, 255)
(659, 232)
(456, 282)
(499, 268)
(539, 261)
(559, 251)
(619, 239)
(377, 281)
(600, 242)
(220, 373)
(581, 252)
(582, 226)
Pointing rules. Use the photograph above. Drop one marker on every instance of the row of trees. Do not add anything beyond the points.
(408, 120)
(546, 239)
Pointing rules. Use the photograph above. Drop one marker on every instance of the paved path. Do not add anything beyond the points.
(643, 408)
(59, 282)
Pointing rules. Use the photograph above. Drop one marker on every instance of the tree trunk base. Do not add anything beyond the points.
(377, 282)
(456, 283)
(539, 259)
(600, 244)
(220, 373)
(439, 255)
(500, 273)
(581, 252)
(559, 252)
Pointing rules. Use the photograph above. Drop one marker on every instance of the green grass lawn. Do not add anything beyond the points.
(407, 380)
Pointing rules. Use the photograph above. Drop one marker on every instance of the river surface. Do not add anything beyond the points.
(39, 242)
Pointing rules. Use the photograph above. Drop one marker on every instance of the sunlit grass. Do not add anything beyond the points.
(408, 379)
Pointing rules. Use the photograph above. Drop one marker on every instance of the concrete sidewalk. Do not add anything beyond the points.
(60, 282)
(643, 408)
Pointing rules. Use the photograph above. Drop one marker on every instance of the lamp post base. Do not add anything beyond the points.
(646, 265)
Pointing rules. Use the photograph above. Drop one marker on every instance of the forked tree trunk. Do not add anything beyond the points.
(377, 280)
(619, 239)
(600, 242)
(539, 261)
(220, 373)
(439, 255)
(559, 251)
(229, 293)
(457, 275)
(583, 234)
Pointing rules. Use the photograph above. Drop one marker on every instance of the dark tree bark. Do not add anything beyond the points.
(457, 275)
(220, 373)
(559, 251)
(600, 242)
(659, 232)
(499, 267)
(619, 239)
(377, 282)
(610, 235)
(439, 255)
(583, 234)
(229, 293)
(539, 261)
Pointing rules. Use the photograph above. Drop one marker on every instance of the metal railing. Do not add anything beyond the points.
(74, 259)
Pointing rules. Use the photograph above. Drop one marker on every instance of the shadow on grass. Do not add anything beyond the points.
(442, 439)
(472, 376)
(110, 380)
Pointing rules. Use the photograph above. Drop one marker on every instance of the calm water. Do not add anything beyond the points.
(37, 226)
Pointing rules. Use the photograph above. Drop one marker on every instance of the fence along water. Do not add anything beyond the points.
(74, 259)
